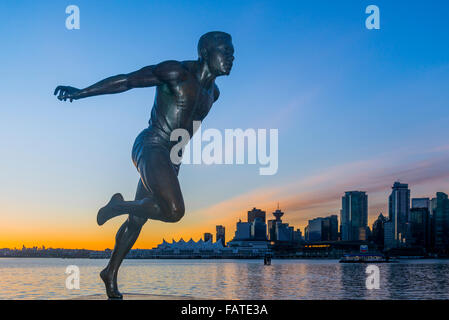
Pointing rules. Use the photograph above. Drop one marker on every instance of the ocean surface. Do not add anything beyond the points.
(45, 278)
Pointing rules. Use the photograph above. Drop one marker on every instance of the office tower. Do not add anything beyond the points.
(272, 230)
(208, 236)
(333, 232)
(441, 222)
(221, 235)
(323, 229)
(283, 232)
(419, 228)
(256, 213)
(389, 241)
(399, 211)
(297, 235)
(258, 229)
(421, 203)
(354, 216)
(243, 231)
(378, 230)
(314, 229)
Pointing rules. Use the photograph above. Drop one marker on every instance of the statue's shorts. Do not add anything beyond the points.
(148, 142)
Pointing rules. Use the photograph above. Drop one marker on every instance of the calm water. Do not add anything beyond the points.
(23, 278)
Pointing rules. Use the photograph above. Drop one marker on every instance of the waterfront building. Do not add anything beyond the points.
(190, 247)
(389, 241)
(332, 235)
(243, 231)
(248, 248)
(322, 229)
(208, 236)
(272, 230)
(297, 236)
(283, 232)
(399, 211)
(258, 229)
(354, 216)
(221, 234)
(250, 237)
(314, 230)
(419, 228)
(441, 222)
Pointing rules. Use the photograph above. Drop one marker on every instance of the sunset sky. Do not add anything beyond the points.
(356, 109)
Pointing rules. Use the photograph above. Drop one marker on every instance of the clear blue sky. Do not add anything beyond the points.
(355, 108)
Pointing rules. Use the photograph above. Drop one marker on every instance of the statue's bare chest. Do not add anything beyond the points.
(194, 99)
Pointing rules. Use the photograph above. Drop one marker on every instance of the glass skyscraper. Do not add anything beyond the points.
(354, 216)
(399, 212)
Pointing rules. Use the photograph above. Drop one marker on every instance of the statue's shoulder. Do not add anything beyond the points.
(172, 70)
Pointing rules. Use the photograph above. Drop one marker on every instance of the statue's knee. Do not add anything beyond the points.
(177, 212)
(148, 205)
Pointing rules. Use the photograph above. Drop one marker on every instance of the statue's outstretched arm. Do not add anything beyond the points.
(146, 77)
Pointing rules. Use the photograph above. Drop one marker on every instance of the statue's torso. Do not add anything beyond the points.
(178, 105)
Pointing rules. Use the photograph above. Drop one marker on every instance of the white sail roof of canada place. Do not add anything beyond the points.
(190, 245)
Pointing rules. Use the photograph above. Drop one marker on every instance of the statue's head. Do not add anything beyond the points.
(216, 49)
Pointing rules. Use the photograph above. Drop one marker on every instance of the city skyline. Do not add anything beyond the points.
(356, 109)
(414, 202)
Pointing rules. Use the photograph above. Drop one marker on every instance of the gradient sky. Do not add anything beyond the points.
(355, 108)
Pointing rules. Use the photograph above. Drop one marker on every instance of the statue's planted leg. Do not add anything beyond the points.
(158, 197)
(124, 241)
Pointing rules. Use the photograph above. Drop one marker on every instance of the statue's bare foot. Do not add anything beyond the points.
(111, 284)
(110, 210)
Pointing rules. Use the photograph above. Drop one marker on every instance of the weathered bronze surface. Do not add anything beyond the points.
(185, 92)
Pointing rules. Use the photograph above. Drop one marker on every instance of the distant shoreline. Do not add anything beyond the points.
(224, 258)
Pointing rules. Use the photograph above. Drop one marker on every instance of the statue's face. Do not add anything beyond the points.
(220, 58)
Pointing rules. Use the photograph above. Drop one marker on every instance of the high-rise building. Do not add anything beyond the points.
(272, 230)
(256, 213)
(378, 231)
(441, 222)
(419, 228)
(333, 231)
(399, 211)
(258, 229)
(314, 229)
(389, 241)
(421, 203)
(221, 235)
(283, 232)
(243, 231)
(322, 229)
(208, 236)
(297, 236)
(354, 216)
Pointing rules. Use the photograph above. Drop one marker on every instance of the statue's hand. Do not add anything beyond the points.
(66, 92)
